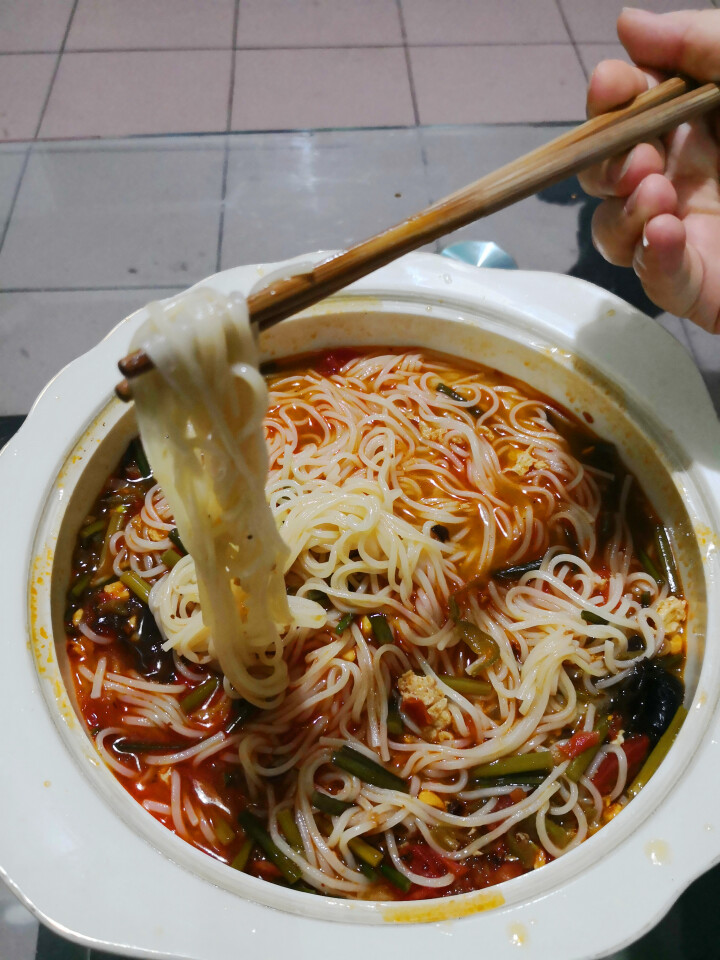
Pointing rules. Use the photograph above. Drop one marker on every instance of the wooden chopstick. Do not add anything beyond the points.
(652, 113)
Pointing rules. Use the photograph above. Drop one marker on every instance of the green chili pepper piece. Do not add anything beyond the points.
(255, 830)
(540, 761)
(650, 567)
(91, 529)
(344, 622)
(140, 458)
(469, 686)
(454, 609)
(367, 770)
(396, 878)
(367, 871)
(458, 398)
(200, 695)
(105, 566)
(286, 822)
(595, 618)
(480, 642)
(395, 724)
(174, 537)
(381, 629)
(243, 711)
(517, 571)
(319, 597)
(81, 584)
(658, 753)
(524, 848)
(224, 831)
(365, 852)
(170, 558)
(243, 855)
(579, 764)
(558, 834)
(139, 586)
(328, 804)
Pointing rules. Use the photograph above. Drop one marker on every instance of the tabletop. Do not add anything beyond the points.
(90, 230)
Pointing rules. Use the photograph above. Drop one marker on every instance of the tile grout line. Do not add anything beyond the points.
(86, 289)
(558, 4)
(306, 46)
(408, 65)
(26, 161)
(57, 67)
(11, 208)
(228, 129)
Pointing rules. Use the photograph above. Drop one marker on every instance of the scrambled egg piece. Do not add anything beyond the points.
(117, 590)
(672, 612)
(437, 434)
(425, 704)
(525, 462)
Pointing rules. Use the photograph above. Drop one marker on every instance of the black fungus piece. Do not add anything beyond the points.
(150, 660)
(648, 699)
(441, 532)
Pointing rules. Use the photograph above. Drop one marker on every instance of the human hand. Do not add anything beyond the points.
(661, 209)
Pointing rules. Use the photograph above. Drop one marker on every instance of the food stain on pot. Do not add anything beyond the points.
(518, 934)
(658, 852)
(451, 909)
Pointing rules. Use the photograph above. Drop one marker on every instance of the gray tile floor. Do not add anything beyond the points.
(99, 68)
(90, 231)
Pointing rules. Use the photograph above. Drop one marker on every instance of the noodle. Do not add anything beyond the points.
(200, 414)
(462, 587)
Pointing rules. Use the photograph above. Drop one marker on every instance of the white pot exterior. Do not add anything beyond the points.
(93, 865)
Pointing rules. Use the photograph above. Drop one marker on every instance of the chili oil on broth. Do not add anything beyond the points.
(371, 779)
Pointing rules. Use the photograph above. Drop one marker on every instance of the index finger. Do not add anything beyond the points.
(613, 84)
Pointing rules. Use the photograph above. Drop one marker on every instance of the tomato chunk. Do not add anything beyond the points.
(580, 742)
(636, 749)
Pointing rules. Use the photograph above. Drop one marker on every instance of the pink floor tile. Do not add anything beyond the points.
(498, 84)
(303, 89)
(129, 24)
(595, 20)
(592, 53)
(120, 94)
(33, 24)
(24, 83)
(317, 23)
(483, 21)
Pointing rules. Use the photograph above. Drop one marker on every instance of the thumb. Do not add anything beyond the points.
(687, 41)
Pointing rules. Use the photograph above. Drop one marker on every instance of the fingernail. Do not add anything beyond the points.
(618, 168)
(645, 241)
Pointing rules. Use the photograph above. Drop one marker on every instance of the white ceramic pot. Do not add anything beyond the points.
(92, 864)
